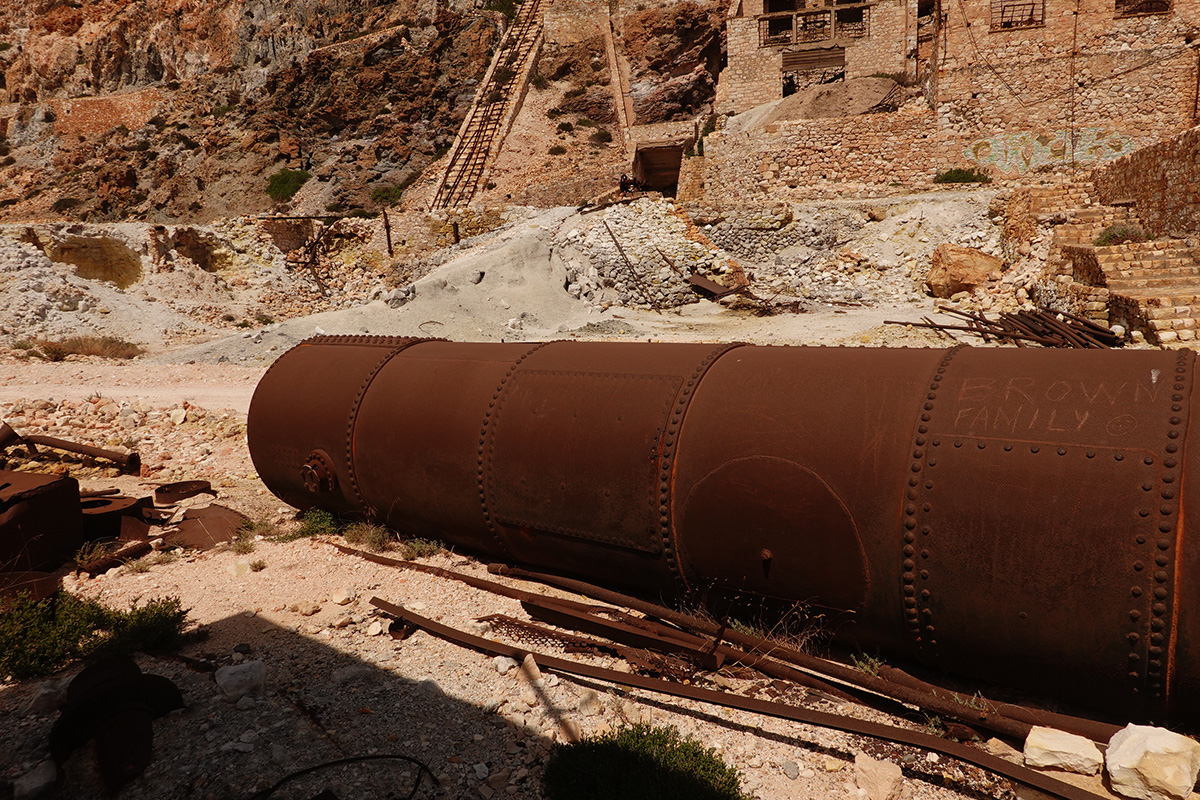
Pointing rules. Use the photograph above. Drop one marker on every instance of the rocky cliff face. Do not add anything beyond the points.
(173, 110)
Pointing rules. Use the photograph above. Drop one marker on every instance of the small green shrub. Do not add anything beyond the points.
(283, 185)
(584, 122)
(1120, 234)
(37, 638)
(963, 175)
(649, 763)
(494, 96)
(575, 91)
(263, 319)
(420, 548)
(539, 81)
(258, 565)
(221, 111)
(374, 537)
(314, 522)
(387, 195)
(868, 665)
(334, 208)
(557, 150)
(243, 542)
(565, 127)
(503, 75)
(601, 136)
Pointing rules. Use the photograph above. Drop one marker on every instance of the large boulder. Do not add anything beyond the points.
(955, 269)
(1152, 763)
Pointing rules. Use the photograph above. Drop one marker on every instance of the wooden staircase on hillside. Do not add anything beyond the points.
(1153, 286)
(496, 103)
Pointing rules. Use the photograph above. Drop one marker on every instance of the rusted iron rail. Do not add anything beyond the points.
(647, 296)
(766, 655)
(128, 462)
(1005, 719)
(875, 730)
(1041, 327)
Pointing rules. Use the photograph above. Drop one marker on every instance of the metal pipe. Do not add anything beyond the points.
(1013, 515)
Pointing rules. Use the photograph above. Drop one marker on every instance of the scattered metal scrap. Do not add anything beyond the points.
(128, 462)
(848, 724)
(1042, 327)
(701, 640)
(114, 703)
(46, 521)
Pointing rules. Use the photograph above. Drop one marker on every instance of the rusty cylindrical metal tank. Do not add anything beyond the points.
(1012, 514)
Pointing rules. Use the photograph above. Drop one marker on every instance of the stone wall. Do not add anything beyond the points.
(1162, 180)
(753, 75)
(1025, 101)
(892, 35)
(828, 158)
(572, 21)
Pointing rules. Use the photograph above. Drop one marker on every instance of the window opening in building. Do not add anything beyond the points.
(775, 30)
(813, 27)
(1008, 14)
(850, 23)
(1133, 8)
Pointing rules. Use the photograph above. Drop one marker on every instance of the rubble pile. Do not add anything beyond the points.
(176, 442)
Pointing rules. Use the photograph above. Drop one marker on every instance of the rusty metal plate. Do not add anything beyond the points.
(605, 430)
(1007, 562)
(779, 514)
(40, 521)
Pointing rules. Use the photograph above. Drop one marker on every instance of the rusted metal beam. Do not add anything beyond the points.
(1017, 516)
(875, 730)
(128, 462)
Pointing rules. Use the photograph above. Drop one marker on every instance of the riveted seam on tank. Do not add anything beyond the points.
(918, 616)
(487, 445)
(399, 345)
(666, 463)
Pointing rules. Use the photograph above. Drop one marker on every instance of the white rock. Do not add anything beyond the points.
(375, 628)
(881, 780)
(529, 669)
(239, 680)
(178, 416)
(342, 596)
(1048, 747)
(589, 704)
(504, 664)
(1152, 763)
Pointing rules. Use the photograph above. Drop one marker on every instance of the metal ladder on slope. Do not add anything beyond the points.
(469, 157)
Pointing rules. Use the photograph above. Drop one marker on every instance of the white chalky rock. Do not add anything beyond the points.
(880, 780)
(1152, 763)
(239, 680)
(1047, 747)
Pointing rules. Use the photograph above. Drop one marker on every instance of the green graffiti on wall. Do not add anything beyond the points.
(1027, 150)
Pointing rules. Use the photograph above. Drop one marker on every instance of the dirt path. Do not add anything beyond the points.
(212, 386)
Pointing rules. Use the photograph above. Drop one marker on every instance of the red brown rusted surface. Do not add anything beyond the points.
(1016, 515)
